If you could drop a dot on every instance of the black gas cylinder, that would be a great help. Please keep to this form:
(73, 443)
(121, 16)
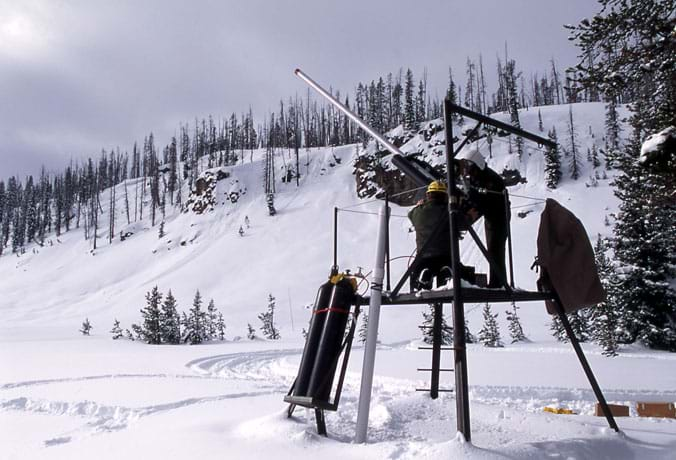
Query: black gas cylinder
(336, 315)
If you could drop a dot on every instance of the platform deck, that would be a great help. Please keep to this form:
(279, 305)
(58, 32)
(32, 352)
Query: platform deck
(469, 294)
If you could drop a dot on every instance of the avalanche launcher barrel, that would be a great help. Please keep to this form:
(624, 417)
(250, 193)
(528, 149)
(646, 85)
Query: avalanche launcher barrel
(324, 343)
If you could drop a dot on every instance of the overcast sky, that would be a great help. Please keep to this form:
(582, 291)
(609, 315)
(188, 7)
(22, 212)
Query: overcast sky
(79, 76)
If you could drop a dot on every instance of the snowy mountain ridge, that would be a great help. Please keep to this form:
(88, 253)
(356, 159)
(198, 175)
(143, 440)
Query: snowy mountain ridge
(205, 252)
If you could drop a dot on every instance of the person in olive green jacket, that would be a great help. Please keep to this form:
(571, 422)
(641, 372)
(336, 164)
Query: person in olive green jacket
(435, 256)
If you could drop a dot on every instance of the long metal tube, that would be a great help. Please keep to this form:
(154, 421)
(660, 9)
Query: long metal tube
(372, 330)
(388, 145)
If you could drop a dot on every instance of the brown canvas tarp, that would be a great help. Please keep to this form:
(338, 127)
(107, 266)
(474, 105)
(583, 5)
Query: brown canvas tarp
(566, 258)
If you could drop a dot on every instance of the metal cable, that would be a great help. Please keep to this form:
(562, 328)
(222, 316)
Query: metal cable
(368, 212)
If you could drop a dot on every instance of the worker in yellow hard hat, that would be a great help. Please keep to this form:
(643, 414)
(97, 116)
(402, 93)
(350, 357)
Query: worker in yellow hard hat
(434, 256)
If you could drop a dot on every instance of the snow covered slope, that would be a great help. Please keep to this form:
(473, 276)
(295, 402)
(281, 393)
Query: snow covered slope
(63, 395)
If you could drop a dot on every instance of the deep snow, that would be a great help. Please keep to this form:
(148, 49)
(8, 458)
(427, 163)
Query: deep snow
(63, 395)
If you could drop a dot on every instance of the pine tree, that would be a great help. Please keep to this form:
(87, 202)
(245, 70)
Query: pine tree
(169, 320)
(469, 337)
(489, 335)
(579, 323)
(270, 200)
(268, 321)
(137, 332)
(645, 246)
(86, 327)
(116, 330)
(515, 329)
(451, 93)
(513, 101)
(604, 325)
(194, 325)
(595, 157)
(251, 332)
(552, 162)
(557, 329)
(151, 317)
(409, 103)
(573, 146)
(639, 65)
(212, 320)
(540, 125)
(220, 326)
(427, 328)
(613, 131)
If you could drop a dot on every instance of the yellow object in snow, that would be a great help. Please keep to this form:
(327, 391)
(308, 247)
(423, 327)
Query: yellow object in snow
(559, 410)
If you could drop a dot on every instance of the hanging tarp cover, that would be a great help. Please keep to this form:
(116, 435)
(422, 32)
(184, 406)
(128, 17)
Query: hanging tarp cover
(566, 259)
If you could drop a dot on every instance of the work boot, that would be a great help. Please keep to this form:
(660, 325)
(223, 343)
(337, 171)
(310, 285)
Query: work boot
(445, 275)
(425, 279)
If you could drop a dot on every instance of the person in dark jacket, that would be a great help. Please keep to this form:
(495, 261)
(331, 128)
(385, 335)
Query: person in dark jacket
(430, 220)
(486, 192)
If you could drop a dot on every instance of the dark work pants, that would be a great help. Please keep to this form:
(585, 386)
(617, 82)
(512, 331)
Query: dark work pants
(434, 265)
(496, 239)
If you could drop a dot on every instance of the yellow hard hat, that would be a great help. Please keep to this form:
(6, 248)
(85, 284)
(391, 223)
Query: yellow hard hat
(436, 186)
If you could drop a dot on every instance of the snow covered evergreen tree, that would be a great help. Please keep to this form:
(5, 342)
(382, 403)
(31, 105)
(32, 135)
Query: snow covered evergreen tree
(137, 332)
(557, 330)
(86, 327)
(250, 332)
(604, 324)
(489, 335)
(515, 329)
(211, 320)
(268, 321)
(116, 330)
(409, 103)
(613, 130)
(573, 146)
(451, 93)
(552, 162)
(169, 320)
(270, 201)
(579, 323)
(220, 326)
(469, 337)
(195, 331)
(151, 317)
(513, 101)
(595, 157)
(643, 72)
(427, 328)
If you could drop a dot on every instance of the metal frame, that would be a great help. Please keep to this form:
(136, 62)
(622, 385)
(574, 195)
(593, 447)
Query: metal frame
(459, 295)
(319, 405)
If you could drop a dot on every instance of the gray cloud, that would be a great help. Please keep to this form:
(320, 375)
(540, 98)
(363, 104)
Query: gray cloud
(78, 76)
